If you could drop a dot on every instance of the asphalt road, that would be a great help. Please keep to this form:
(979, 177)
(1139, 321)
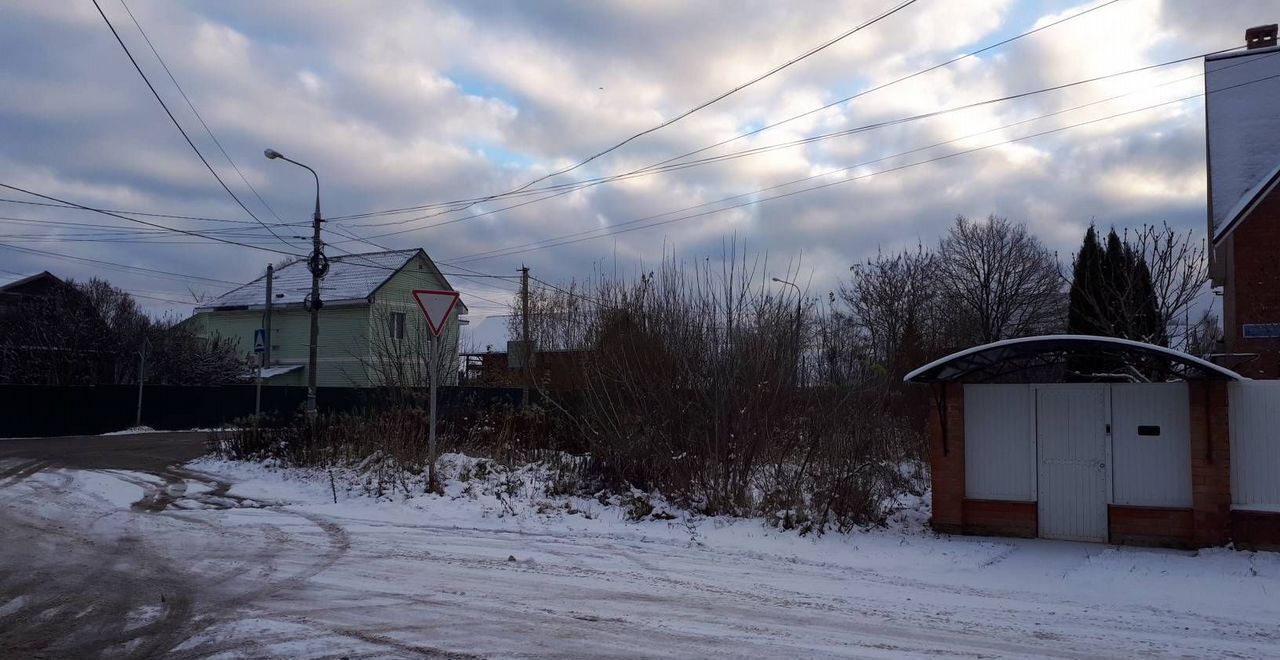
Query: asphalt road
(144, 452)
(68, 580)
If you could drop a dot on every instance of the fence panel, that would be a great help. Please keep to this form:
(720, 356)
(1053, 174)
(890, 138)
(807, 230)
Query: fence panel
(1255, 443)
(42, 411)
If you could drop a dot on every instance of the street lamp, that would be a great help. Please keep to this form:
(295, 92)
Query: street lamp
(319, 266)
(799, 300)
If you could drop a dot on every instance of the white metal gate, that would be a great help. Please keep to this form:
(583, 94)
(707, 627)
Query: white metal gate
(1072, 433)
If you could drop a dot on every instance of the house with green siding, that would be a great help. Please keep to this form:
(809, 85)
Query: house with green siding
(372, 332)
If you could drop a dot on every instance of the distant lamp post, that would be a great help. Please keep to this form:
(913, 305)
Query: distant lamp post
(799, 300)
(318, 264)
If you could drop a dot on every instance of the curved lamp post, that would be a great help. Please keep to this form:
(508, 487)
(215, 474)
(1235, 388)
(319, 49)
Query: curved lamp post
(318, 266)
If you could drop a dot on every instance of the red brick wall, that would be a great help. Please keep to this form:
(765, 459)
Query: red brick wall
(1255, 530)
(946, 457)
(1137, 525)
(1001, 518)
(1210, 463)
(1254, 283)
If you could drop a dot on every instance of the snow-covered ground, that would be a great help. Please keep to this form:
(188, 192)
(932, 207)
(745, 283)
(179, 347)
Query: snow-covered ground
(258, 561)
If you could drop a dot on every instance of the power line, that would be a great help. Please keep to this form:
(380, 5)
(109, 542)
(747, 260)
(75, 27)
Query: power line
(191, 105)
(670, 167)
(147, 223)
(761, 129)
(574, 237)
(179, 126)
(700, 106)
(118, 266)
(143, 213)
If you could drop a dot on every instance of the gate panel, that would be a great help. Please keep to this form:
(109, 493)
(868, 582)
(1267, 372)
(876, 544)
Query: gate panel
(1071, 429)
(1151, 444)
(999, 443)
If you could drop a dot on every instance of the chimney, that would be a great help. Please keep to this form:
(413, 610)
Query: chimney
(1260, 36)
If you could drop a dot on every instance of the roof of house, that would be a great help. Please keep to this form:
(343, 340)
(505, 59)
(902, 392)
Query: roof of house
(1242, 127)
(16, 280)
(1247, 204)
(351, 278)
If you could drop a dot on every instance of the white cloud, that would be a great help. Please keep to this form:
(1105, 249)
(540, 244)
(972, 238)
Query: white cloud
(404, 103)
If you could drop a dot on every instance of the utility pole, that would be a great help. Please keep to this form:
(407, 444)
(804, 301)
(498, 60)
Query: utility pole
(318, 264)
(142, 371)
(271, 273)
(525, 347)
(263, 358)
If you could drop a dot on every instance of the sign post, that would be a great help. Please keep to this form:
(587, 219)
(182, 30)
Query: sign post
(436, 306)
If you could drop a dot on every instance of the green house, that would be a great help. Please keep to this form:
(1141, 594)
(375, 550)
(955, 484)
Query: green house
(372, 332)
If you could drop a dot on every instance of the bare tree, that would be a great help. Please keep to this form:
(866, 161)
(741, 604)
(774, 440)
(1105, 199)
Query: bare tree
(998, 280)
(1179, 272)
(891, 304)
(91, 332)
(1203, 337)
(400, 350)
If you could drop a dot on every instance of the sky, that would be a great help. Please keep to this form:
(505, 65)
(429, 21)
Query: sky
(403, 104)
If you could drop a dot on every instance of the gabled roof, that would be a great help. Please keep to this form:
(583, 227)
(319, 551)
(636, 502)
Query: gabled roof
(8, 282)
(352, 278)
(1250, 201)
(982, 363)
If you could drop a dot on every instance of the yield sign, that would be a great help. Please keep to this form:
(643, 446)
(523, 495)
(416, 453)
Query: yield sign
(436, 306)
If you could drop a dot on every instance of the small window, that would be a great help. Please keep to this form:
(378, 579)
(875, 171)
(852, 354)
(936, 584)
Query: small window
(1148, 429)
(396, 325)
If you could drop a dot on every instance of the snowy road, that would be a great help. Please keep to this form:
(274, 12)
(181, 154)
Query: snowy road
(184, 563)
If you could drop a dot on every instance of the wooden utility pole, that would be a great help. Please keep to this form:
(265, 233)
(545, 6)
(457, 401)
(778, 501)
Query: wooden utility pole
(142, 372)
(526, 347)
(271, 271)
(524, 307)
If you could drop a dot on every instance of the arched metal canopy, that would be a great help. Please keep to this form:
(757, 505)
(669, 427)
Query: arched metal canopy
(1002, 359)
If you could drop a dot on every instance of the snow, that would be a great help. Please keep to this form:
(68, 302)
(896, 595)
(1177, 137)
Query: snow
(272, 372)
(496, 567)
(350, 277)
(1243, 129)
(133, 430)
(1263, 508)
(1247, 202)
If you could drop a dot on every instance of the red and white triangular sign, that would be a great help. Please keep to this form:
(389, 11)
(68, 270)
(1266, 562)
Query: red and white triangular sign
(436, 306)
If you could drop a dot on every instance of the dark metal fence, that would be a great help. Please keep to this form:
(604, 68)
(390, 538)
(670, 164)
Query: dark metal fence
(40, 411)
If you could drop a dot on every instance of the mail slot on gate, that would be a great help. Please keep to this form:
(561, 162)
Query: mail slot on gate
(1148, 429)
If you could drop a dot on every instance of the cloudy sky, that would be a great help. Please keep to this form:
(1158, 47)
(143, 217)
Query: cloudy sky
(404, 104)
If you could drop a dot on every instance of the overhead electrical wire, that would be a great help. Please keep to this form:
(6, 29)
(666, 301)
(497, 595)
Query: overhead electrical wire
(806, 140)
(701, 106)
(179, 126)
(569, 188)
(152, 272)
(613, 230)
(147, 222)
(172, 216)
(195, 112)
(755, 131)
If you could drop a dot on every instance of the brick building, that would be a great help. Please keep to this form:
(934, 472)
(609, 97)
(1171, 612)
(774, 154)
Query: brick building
(1242, 130)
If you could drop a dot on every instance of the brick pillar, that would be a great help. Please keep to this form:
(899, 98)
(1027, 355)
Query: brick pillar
(1210, 463)
(946, 456)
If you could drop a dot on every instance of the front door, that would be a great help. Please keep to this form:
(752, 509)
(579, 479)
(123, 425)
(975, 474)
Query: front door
(1071, 432)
